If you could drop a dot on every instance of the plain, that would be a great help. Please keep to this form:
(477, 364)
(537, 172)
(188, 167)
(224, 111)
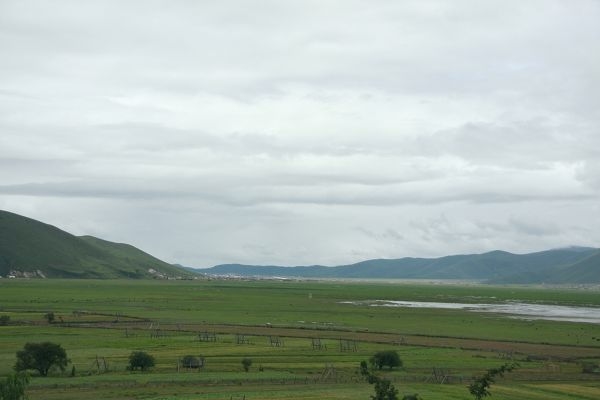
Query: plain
(305, 341)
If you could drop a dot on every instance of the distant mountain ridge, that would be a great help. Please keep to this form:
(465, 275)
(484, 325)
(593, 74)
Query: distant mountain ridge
(31, 248)
(568, 265)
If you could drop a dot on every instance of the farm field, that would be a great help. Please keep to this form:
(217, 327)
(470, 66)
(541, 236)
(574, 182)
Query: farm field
(304, 339)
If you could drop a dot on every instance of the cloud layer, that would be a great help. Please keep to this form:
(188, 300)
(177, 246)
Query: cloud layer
(304, 132)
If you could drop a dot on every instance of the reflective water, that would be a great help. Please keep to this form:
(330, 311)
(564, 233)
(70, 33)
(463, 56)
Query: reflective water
(513, 309)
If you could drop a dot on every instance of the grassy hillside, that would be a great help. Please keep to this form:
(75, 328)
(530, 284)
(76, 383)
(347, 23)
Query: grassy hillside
(584, 271)
(30, 246)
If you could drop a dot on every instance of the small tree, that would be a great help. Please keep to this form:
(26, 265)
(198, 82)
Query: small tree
(389, 358)
(13, 387)
(49, 316)
(246, 363)
(141, 360)
(190, 361)
(384, 390)
(4, 320)
(480, 387)
(41, 357)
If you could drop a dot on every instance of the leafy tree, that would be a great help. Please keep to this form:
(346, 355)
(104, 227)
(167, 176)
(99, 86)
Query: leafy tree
(384, 390)
(141, 360)
(13, 387)
(41, 357)
(4, 320)
(246, 363)
(480, 387)
(389, 358)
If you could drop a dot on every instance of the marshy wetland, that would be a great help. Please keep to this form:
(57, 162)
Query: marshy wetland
(99, 323)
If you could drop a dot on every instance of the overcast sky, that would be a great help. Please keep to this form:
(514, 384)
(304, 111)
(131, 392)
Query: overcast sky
(304, 132)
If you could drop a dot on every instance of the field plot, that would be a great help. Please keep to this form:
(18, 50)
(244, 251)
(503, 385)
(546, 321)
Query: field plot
(305, 340)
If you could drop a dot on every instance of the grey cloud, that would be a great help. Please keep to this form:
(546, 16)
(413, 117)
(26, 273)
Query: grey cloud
(535, 228)
(278, 128)
(589, 173)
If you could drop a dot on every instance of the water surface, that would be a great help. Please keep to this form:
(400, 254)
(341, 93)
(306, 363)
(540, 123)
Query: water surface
(513, 309)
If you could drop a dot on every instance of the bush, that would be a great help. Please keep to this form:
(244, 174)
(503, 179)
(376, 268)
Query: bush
(590, 368)
(389, 358)
(246, 363)
(13, 387)
(141, 360)
(190, 361)
(4, 320)
(49, 317)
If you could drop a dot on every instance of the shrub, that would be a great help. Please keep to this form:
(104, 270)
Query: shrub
(141, 360)
(190, 361)
(590, 368)
(246, 363)
(49, 317)
(13, 387)
(389, 358)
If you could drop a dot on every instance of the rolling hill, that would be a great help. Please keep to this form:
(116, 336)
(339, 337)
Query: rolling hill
(568, 265)
(32, 248)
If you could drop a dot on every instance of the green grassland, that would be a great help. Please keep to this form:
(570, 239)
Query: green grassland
(107, 320)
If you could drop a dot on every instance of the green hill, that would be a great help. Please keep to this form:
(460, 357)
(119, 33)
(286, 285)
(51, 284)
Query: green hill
(32, 248)
(584, 271)
(568, 265)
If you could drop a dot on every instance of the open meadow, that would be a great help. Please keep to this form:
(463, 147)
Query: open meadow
(305, 339)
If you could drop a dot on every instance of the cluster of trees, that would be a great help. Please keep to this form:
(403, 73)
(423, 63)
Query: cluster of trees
(385, 390)
(46, 355)
(41, 357)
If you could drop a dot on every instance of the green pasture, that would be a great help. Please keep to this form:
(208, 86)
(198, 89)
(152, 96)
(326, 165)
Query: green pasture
(102, 322)
(309, 305)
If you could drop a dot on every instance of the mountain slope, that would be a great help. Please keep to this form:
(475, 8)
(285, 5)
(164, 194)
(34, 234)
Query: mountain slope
(584, 271)
(27, 245)
(561, 265)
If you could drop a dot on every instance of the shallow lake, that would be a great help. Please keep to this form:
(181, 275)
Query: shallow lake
(513, 309)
